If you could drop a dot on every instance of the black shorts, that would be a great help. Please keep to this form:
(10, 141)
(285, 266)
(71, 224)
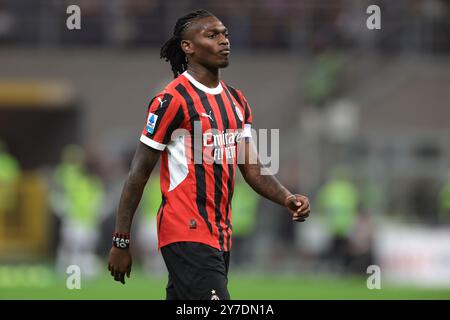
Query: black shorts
(196, 271)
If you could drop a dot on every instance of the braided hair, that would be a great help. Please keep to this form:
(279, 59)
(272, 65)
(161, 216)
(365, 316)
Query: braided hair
(171, 50)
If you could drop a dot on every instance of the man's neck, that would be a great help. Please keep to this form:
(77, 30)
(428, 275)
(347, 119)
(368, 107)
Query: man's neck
(207, 77)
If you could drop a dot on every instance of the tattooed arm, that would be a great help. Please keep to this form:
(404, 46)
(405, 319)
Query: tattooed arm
(142, 166)
(267, 185)
(144, 161)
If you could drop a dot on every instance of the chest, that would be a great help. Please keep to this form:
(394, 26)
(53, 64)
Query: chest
(215, 112)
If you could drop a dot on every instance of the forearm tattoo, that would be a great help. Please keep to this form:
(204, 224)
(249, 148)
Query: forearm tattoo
(266, 184)
(141, 168)
(129, 201)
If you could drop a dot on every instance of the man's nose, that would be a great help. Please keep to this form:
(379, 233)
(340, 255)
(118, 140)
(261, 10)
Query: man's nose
(223, 40)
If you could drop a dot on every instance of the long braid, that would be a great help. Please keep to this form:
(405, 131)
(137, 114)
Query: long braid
(171, 50)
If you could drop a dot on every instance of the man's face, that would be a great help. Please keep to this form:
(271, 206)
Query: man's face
(207, 43)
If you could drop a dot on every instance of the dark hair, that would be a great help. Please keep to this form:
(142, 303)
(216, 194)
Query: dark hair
(171, 50)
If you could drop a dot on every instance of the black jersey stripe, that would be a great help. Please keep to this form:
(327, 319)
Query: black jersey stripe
(167, 97)
(232, 174)
(217, 200)
(238, 121)
(235, 95)
(160, 111)
(161, 212)
(199, 168)
(230, 196)
(223, 111)
(175, 124)
(226, 125)
(217, 167)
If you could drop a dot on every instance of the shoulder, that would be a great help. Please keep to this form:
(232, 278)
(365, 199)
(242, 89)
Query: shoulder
(172, 86)
(170, 92)
(231, 88)
(237, 94)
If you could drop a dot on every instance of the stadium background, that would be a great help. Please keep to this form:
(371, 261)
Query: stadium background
(364, 122)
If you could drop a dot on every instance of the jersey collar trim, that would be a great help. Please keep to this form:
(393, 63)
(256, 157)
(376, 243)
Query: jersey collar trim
(201, 86)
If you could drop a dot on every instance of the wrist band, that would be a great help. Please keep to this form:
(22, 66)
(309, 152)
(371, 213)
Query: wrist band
(121, 240)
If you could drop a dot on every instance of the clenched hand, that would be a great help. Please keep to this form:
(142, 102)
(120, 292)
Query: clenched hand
(298, 206)
(119, 263)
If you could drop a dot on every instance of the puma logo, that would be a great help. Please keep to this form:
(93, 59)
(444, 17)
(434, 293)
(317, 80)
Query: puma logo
(208, 115)
(161, 102)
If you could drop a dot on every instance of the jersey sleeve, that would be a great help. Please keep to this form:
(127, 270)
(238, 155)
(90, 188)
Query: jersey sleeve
(248, 117)
(165, 114)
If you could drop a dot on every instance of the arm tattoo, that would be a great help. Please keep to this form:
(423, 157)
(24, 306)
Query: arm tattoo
(267, 185)
(141, 168)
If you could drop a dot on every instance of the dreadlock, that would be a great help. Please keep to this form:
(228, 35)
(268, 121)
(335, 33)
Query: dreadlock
(171, 50)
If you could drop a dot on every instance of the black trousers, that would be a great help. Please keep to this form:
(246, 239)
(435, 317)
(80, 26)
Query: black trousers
(196, 271)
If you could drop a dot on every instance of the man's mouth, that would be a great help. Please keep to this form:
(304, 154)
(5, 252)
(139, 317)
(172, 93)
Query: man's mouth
(225, 52)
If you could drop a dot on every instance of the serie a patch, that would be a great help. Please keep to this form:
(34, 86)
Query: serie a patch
(151, 122)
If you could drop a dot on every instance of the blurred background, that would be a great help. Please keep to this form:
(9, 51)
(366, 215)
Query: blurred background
(364, 121)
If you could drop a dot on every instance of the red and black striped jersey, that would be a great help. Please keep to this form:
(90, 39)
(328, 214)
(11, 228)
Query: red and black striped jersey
(198, 130)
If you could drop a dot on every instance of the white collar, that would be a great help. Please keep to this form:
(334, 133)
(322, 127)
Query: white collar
(201, 86)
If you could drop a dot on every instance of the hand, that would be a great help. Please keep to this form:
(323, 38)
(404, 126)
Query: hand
(119, 263)
(298, 206)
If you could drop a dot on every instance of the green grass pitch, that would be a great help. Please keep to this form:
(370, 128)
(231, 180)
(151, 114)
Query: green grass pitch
(241, 286)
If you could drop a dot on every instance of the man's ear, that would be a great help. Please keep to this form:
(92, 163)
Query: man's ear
(187, 46)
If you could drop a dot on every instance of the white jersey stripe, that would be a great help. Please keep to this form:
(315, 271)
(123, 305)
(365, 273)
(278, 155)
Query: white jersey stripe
(178, 167)
(152, 143)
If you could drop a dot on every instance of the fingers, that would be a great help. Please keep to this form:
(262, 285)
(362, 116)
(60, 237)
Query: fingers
(300, 204)
(303, 211)
(117, 275)
(298, 219)
(293, 198)
(304, 203)
(302, 215)
(302, 208)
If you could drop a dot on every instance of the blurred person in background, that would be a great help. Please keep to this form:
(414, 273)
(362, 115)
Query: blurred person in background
(322, 82)
(143, 17)
(338, 201)
(274, 244)
(361, 240)
(371, 199)
(245, 206)
(9, 183)
(116, 158)
(147, 235)
(444, 201)
(77, 198)
(7, 23)
(194, 218)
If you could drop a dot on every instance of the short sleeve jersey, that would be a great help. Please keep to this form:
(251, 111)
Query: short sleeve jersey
(198, 130)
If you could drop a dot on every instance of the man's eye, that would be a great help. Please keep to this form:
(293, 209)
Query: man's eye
(212, 36)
